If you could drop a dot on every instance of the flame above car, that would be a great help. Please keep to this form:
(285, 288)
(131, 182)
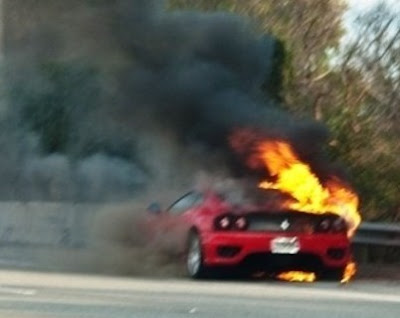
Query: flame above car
(290, 175)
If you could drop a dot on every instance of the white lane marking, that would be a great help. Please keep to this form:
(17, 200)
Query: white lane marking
(18, 291)
(193, 310)
(171, 286)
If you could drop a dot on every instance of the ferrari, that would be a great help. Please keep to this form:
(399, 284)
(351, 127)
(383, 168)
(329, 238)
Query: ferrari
(214, 232)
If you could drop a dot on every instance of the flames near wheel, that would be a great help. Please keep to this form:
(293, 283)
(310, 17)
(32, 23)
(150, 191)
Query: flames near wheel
(297, 276)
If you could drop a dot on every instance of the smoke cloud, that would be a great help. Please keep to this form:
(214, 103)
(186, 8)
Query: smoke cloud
(107, 100)
(199, 76)
(150, 102)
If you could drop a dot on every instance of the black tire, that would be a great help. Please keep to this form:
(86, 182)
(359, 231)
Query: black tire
(194, 261)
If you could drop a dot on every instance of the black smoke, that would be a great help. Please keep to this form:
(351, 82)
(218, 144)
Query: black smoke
(108, 99)
(114, 97)
(203, 75)
(56, 142)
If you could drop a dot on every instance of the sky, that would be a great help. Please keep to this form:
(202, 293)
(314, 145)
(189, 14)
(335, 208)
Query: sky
(366, 4)
(358, 6)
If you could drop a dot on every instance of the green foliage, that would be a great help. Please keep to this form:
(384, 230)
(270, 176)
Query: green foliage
(208, 5)
(365, 120)
(50, 98)
(373, 171)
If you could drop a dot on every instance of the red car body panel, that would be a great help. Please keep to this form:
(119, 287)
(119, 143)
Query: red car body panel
(259, 243)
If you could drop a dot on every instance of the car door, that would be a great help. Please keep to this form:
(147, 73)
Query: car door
(179, 218)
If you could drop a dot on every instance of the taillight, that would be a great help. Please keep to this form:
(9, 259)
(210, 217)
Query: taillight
(224, 222)
(339, 226)
(324, 225)
(331, 225)
(230, 222)
(241, 223)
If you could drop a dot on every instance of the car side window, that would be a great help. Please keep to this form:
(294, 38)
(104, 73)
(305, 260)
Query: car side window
(185, 203)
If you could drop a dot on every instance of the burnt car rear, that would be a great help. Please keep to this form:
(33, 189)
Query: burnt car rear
(277, 241)
(216, 233)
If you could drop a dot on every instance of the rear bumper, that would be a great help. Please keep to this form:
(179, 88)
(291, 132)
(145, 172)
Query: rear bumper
(254, 248)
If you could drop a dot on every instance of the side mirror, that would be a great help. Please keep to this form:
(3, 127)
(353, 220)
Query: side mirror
(154, 208)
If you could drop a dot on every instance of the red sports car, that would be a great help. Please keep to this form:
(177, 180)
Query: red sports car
(215, 233)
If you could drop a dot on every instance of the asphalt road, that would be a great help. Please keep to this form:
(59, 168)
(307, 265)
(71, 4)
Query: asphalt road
(28, 294)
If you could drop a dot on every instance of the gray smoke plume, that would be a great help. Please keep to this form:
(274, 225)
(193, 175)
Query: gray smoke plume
(200, 76)
(150, 102)
(56, 140)
(123, 99)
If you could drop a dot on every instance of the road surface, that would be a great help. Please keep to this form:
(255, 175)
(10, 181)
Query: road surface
(34, 295)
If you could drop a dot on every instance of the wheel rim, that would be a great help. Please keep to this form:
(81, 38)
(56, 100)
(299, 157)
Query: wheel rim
(194, 257)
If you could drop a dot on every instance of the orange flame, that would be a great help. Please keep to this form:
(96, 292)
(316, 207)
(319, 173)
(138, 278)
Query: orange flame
(349, 272)
(297, 276)
(296, 178)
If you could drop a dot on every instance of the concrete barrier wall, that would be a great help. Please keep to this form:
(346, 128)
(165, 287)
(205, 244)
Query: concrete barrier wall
(46, 223)
(29, 229)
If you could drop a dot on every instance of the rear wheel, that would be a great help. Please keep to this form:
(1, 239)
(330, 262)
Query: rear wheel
(194, 257)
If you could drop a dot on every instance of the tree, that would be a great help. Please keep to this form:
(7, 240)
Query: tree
(366, 116)
(309, 31)
(52, 98)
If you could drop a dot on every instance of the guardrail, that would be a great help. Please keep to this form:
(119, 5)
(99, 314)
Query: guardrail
(379, 234)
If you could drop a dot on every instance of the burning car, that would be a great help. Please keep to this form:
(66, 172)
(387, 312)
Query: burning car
(295, 223)
(213, 232)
